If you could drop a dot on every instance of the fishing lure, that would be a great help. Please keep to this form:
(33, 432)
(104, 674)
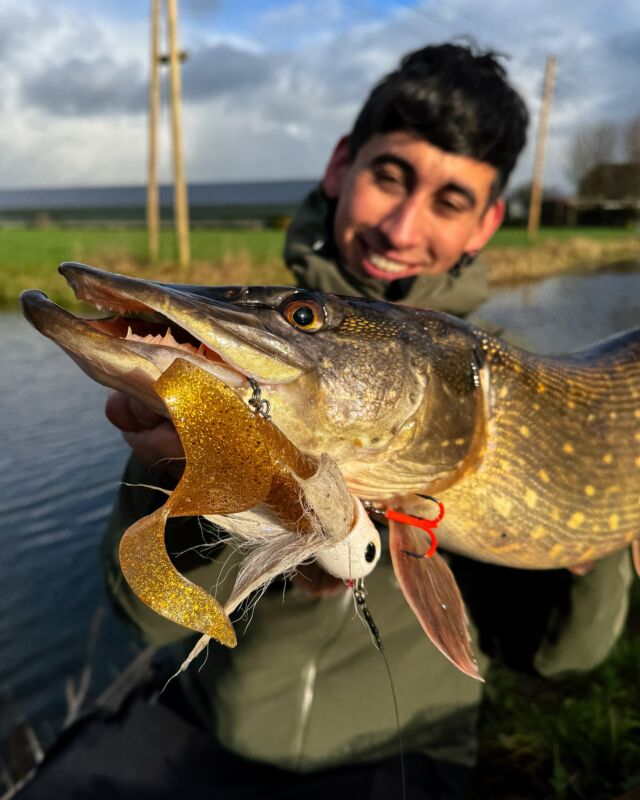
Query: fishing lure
(282, 508)
(243, 474)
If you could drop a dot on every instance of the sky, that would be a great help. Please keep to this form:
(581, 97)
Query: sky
(269, 87)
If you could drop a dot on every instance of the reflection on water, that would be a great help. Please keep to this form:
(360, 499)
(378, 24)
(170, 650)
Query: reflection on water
(561, 314)
(60, 462)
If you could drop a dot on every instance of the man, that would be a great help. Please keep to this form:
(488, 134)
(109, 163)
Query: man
(303, 705)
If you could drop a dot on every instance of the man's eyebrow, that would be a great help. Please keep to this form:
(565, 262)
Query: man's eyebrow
(459, 188)
(409, 173)
(390, 158)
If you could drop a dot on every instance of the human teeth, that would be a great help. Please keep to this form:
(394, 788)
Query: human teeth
(386, 263)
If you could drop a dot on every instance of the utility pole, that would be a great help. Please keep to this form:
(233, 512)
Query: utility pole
(181, 205)
(536, 185)
(153, 214)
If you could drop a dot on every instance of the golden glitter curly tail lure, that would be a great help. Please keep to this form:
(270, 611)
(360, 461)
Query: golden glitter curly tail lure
(238, 460)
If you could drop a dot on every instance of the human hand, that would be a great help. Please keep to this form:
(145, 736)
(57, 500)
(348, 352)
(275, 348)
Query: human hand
(313, 580)
(152, 437)
(582, 569)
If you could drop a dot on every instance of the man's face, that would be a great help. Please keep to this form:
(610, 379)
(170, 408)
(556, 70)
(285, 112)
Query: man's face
(405, 207)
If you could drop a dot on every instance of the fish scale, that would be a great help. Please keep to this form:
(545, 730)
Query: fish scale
(570, 450)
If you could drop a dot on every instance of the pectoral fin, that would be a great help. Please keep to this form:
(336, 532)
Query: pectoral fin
(433, 595)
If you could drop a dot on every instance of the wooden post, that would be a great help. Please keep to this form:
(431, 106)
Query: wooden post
(535, 203)
(152, 164)
(179, 187)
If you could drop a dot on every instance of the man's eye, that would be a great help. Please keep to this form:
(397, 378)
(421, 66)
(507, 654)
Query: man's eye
(451, 206)
(387, 178)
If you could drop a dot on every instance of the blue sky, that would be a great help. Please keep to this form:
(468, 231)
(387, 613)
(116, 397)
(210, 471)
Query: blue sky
(270, 86)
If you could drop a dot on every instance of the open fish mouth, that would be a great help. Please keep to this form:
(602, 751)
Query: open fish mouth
(148, 325)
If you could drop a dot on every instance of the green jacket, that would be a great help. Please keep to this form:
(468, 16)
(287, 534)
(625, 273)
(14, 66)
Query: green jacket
(305, 688)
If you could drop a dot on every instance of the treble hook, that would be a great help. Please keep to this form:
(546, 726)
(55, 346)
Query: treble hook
(427, 525)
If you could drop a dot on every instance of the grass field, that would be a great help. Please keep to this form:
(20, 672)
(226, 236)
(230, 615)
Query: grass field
(29, 257)
(572, 739)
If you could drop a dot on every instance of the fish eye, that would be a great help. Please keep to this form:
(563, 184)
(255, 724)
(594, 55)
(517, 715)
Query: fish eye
(305, 314)
(370, 552)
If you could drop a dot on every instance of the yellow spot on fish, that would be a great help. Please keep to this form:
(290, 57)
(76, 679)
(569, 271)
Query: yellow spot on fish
(570, 404)
(544, 476)
(540, 388)
(607, 458)
(459, 441)
(613, 415)
(614, 519)
(357, 442)
(588, 554)
(637, 461)
(536, 407)
(502, 505)
(637, 437)
(504, 391)
(530, 498)
(538, 532)
(556, 550)
(444, 443)
(555, 515)
(505, 465)
(576, 520)
(524, 430)
(567, 448)
(636, 413)
(589, 490)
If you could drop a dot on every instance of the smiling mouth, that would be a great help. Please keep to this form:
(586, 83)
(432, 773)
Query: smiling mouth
(387, 265)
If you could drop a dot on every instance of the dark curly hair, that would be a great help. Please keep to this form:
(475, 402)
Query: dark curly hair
(456, 98)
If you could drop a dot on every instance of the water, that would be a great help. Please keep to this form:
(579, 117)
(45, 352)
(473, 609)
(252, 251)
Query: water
(60, 462)
(59, 467)
(568, 312)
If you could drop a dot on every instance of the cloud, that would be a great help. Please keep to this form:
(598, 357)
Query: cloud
(224, 69)
(266, 94)
(87, 86)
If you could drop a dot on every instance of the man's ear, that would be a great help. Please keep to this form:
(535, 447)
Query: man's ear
(336, 168)
(491, 220)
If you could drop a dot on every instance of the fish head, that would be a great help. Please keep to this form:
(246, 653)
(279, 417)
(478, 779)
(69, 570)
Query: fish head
(361, 380)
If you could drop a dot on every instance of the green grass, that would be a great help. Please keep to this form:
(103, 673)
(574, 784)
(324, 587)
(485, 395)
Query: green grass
(565, 740)
(29, 256)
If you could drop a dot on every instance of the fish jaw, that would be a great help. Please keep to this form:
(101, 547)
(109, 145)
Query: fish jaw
(131, 349)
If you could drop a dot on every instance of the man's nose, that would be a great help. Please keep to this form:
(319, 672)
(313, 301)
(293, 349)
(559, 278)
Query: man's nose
(404, 224)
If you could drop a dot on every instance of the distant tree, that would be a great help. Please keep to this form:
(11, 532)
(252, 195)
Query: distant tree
(632, 140)
(591, 146)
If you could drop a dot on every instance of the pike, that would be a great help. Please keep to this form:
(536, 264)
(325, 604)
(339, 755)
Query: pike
(536, 458)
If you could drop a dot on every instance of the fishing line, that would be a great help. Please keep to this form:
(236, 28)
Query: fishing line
(360, 596)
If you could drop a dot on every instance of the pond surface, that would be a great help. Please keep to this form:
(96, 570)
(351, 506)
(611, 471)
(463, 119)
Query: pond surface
(60, 462)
